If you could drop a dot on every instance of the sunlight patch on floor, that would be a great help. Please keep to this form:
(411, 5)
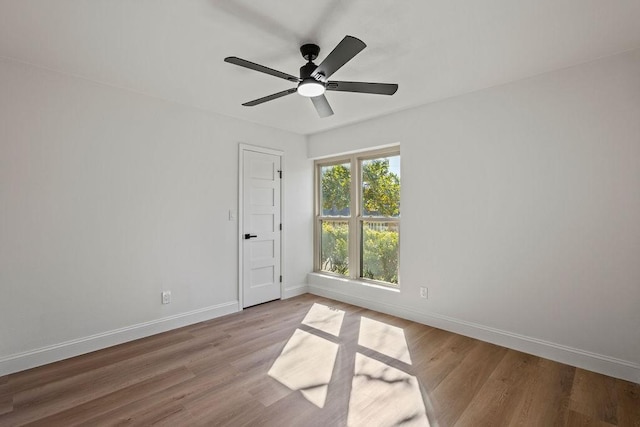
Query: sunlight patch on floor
(385, 339)
(324, 318)
(306, 364)
(382, 395)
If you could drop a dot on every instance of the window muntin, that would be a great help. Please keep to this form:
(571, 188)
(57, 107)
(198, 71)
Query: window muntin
(361, 240)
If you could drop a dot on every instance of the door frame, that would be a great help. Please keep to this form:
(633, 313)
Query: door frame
(240, 217)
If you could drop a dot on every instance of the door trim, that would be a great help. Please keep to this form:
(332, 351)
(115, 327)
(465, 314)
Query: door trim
(240, 217)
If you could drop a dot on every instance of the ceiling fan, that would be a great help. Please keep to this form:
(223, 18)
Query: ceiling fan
(314, 79)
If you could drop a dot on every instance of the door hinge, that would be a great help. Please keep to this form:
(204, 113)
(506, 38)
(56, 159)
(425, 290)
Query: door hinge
(280, 173)
(280, 279)
(280, 227)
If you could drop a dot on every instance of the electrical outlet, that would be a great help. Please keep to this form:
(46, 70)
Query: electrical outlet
(424, 292)
(166, 297)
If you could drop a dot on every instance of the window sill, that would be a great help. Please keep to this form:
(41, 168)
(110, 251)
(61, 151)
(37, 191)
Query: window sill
(330, 278)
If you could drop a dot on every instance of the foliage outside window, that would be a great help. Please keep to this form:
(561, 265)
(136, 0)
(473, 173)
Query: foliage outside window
(358, 216)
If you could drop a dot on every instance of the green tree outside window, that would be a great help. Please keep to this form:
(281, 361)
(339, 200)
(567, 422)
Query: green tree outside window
(380, 240)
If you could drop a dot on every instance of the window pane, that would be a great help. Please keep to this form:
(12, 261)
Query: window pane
(380, 251)
(335, 247)
(335, 196)
(381, 187)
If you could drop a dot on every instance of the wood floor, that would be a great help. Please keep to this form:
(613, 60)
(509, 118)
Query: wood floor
(232, 371)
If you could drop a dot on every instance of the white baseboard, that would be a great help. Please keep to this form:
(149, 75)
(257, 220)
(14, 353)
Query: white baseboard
(560, 353)
(53, 353)
(294, 291)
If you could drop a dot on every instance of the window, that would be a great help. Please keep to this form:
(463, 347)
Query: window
(358, 216)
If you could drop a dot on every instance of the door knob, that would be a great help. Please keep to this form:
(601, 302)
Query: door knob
(249, 236)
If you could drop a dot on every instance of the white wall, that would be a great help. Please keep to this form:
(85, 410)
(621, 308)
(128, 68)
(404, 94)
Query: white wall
(108, 197)
(521, 213)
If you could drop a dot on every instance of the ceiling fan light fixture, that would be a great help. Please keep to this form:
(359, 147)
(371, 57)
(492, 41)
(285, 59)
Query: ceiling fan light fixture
(310, 88)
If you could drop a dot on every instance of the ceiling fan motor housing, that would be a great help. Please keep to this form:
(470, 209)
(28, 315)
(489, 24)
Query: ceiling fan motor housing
(309, 51)
(306, 70)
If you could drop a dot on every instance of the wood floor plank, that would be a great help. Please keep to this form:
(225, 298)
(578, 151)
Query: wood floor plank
(64, 369)
(223, 408)
(216, 373)
(595, 395)
(578, 419)
(51, 398)
(175, 395)
(294, 410)
(113, 401)
(454, 394)
(439, 355)
(628, 403)
(160, 414)
(546, 395)
(267, 391)
(499, 396)
(6, 396)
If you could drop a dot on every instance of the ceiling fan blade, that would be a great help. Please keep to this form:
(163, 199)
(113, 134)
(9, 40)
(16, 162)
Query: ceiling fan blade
(340, 55)
(270, 97)
(261, 68)
(322, 106)
(363, 87)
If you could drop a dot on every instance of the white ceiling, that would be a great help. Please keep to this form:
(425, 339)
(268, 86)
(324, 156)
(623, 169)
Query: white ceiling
(174, 49)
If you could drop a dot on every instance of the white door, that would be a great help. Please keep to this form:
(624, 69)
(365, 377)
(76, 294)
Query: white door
(260, 227)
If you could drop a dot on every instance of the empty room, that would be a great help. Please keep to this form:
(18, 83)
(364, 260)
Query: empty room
(332, 213)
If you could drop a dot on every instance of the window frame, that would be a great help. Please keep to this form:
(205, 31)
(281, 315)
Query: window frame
(356, 219)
